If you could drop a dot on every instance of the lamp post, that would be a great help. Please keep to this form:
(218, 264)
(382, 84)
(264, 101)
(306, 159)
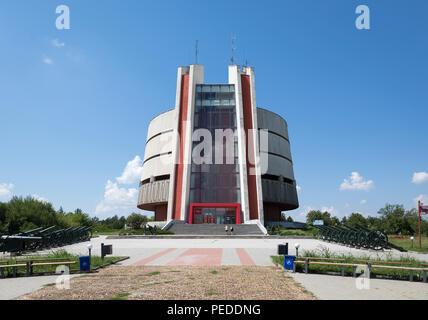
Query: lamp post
(297, 246)
(90, 248)
(412, 238)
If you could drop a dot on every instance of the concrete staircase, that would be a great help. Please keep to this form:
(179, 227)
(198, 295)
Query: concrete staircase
(214, 229)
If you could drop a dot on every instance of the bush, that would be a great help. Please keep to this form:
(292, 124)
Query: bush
(136, 221)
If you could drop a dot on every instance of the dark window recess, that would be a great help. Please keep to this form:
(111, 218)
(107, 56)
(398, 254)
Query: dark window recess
(215, 183)
(277, 178)
(157, 156)
(159, 178)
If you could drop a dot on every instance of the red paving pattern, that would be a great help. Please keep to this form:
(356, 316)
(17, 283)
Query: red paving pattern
(198, 257)
(244, 257)
(153, 257)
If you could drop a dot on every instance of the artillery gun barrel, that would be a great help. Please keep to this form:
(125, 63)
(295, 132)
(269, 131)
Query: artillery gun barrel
(20, 238)
(363, 228)
(47, 230)
(351, 228)
(29, 232)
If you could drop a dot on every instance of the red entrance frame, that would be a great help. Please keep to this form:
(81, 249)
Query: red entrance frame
(237, 207)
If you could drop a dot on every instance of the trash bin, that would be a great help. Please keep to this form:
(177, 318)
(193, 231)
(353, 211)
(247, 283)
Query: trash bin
(283, 249)
(289, 262)
(85, 263)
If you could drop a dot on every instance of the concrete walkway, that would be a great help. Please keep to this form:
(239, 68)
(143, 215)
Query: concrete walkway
(138, 249)
(258, 250)
(15, 287)
(235, 252)
(330, 287)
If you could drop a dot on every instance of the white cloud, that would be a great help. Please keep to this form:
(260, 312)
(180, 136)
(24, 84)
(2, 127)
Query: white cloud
(47, 60)
(356, 182)
(422, 198)
(363, 201)
(330, 210)
(298, 188)
(305, 211)
(132, 172)
(420, 177)
(6, 191)
(56, 43)
(41, 199)
(120, 201)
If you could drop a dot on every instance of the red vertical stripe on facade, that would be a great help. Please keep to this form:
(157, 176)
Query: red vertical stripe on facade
(248, 124)
(184, 99)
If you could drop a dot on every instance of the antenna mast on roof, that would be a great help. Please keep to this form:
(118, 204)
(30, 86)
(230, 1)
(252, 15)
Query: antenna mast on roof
(233, 49)
(196, 51)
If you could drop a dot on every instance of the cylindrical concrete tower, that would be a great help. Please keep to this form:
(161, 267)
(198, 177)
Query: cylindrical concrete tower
(216, 158)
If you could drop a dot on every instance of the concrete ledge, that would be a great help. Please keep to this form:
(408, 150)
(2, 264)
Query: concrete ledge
(206, 237)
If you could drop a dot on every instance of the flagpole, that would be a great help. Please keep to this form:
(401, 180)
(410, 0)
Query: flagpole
(419, 214)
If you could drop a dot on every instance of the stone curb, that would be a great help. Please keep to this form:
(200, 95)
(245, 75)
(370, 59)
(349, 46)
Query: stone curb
(205, 237)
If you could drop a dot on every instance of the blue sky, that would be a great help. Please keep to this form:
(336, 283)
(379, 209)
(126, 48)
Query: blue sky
(75, 104)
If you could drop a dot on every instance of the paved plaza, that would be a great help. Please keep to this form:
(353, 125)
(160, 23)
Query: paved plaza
(235, 252)
(211, 251)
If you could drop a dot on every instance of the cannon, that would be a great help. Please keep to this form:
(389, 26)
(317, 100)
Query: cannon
(17, 244)
(358, 237)
(43, 238)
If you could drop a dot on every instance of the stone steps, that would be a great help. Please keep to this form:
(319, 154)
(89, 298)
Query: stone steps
(214, 229)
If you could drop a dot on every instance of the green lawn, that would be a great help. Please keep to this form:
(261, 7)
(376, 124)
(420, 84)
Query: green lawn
(106, 233)
(131, 232)
(325, 253)
(312, 232)
(407, 243)
(96, 261)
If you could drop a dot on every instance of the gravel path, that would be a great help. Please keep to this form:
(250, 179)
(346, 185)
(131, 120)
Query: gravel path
(179, 283)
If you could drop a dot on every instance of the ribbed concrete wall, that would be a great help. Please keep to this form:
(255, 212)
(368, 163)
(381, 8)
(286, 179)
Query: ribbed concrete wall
(161, 123)
(152, 194)
(279, 146)
(159, 145)
(279, 154)
(279, 194)
(158, 154)
(270, 120)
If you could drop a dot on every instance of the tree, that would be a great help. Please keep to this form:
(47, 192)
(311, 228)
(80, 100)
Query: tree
(357, 218)
(335, 221)
(284, 218)
(393, 220)
(136, 221)
(113, 223)
(3, 211)
(28, 213)
(318, 215)
(78, 219)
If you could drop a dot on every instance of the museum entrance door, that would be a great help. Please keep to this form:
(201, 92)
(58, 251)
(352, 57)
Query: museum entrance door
(219, 213)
